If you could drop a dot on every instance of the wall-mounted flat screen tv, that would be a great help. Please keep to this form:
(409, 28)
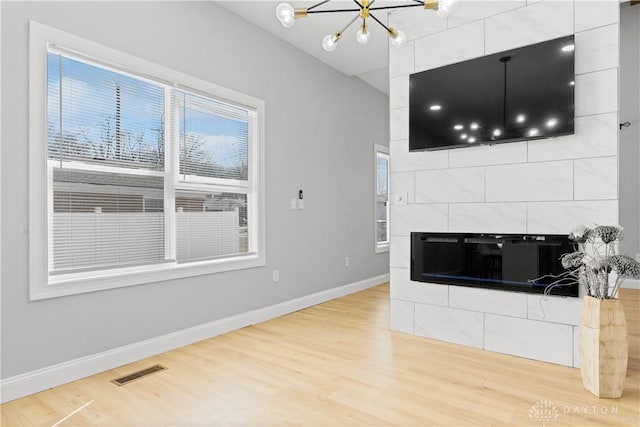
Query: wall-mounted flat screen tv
(520, 94)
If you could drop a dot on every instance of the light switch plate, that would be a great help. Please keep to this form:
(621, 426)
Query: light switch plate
(399, 198)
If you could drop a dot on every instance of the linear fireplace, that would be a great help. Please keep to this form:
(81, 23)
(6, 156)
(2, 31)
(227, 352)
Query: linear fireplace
(508, 262)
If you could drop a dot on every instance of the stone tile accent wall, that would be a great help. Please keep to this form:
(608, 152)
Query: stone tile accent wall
(544, 186)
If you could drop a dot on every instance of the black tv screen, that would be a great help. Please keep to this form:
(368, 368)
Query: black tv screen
(520, 94)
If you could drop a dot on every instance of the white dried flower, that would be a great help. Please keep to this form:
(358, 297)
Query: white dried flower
(626, 266)
(608, 233)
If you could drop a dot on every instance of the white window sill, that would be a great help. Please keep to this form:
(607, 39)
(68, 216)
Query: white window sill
(118, 278)
(382, 248)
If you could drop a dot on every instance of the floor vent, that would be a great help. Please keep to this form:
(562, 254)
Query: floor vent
(137, 375)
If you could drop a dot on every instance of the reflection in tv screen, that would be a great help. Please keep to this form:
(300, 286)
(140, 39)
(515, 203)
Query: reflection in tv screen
(521, 94)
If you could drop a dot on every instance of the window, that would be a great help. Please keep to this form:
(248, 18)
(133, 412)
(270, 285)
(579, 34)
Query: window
(138, 173)
(381, 192)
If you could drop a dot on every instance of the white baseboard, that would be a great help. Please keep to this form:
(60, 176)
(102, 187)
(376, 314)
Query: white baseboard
(62, 373)
(631, 284)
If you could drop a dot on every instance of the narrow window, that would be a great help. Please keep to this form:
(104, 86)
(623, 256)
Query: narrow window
(381, 198)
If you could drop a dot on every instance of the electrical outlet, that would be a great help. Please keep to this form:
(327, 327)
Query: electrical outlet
(276, 276)
(346, 261)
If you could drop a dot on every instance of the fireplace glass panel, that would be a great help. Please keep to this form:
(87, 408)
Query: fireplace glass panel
(507, 262)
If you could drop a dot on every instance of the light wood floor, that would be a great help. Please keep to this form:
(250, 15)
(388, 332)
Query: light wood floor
(335, 364)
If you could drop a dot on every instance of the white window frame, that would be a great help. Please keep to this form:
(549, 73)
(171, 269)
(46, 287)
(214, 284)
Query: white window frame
(41, 284)
(382, 246)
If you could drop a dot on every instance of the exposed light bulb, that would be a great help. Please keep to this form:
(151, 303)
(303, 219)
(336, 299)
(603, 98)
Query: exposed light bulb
(288, 22)
(397, 38)
(363, 34)
(329, 42)
(474, 126)
(520, 118)
(458, 127)
(285, 14)
(447, 7)
(435, 107)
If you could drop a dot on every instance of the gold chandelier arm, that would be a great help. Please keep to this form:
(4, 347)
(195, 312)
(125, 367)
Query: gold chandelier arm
(332, 11)
(349, 24)
(431, 4)
(379, 22)
(400, 6)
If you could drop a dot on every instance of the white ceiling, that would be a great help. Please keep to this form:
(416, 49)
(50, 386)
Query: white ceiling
(369, 62)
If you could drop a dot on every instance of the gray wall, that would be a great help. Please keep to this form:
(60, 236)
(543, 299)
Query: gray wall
(630, 137)
(316, 141)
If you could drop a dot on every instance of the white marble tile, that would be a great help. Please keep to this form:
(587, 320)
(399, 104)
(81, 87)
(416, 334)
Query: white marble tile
(400, 252)
(596, 179)
(488, 217)
(403, 160)
(595, 136)
(596, 92)
(401, 316)
(469, 11)
(554, 309)
(528, 25)
(401, 60)
(402, 182)
(449, 324)
(548, 342)
(530, 182)
(450, 46)
(562, 217)
(488, 301)
(403, 288)
(418, 217)
(498, 154)
(592, 14)
(596, 49)
(450, 185)
(399, 124)
(399, 92)
(416, 22)
(576, 346)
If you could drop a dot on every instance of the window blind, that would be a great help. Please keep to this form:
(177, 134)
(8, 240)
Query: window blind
(105, 143)
(212, 204)
(141, 172)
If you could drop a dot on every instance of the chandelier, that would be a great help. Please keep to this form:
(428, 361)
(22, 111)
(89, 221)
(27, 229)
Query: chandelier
(287, 16)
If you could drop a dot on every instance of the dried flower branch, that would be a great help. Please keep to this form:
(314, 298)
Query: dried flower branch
(572, 260)
(595, 264)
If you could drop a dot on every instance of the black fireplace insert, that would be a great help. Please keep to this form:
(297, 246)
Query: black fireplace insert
(510, 262)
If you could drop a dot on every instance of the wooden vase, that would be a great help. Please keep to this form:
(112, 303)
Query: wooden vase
(604, 347)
